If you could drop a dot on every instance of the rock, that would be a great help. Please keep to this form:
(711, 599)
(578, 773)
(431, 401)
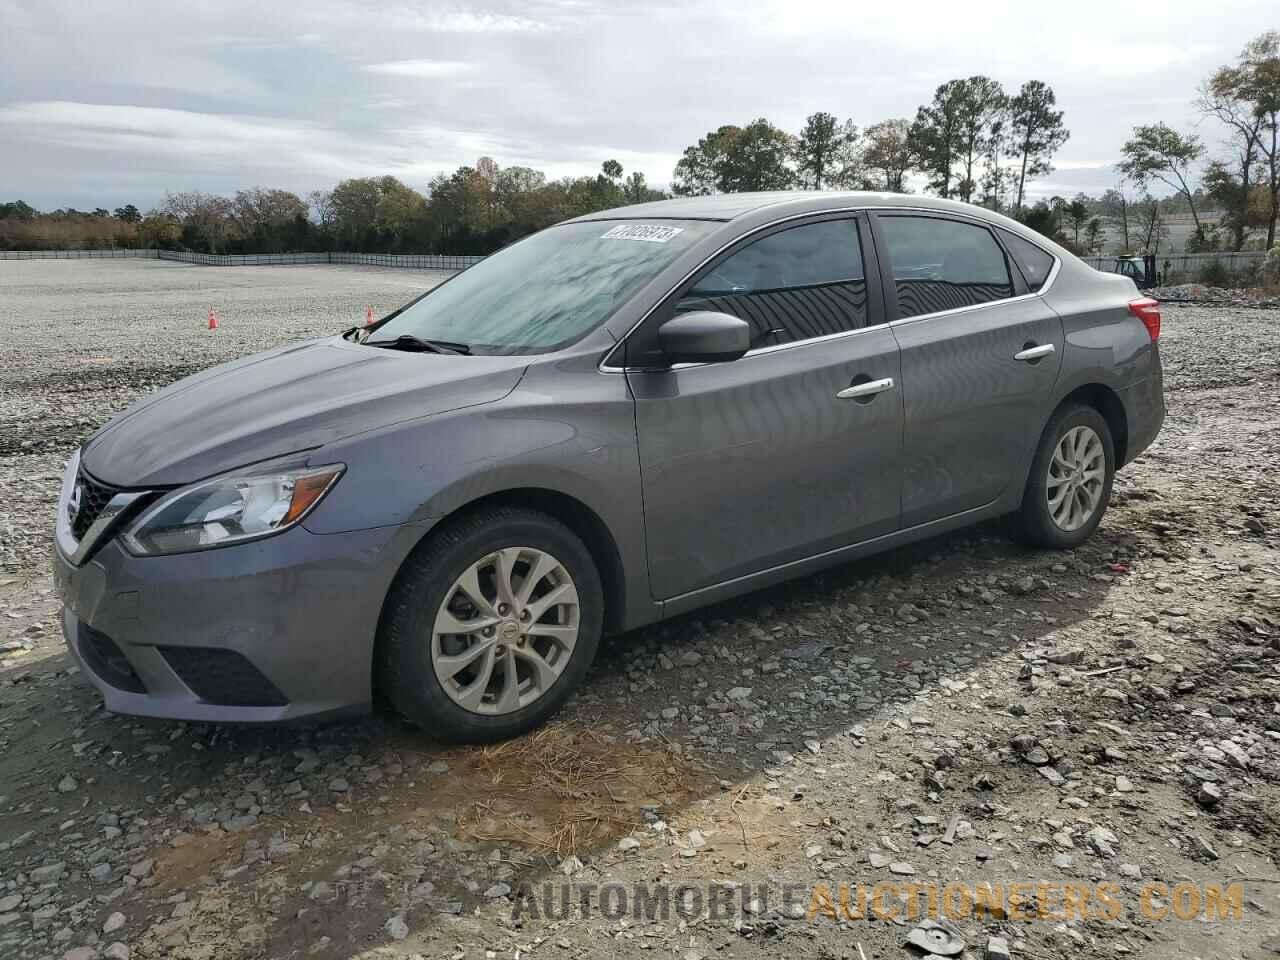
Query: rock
(10, 903)
(117, 951)
(1208, 796)
(1235, 753)
(879, 860)
(142, 869)
(902, 868)
(339, 785)
(100, 872)
(628, 843)
(571, 866)
(738, 693)
(1102, 841)
(80, 953)
(1052, 775)
(320, 890)
(497, 891)
(1036, 756)
(49, 873)
(68, 784)
(1124, 785)
(1066, 657)
(937, 937)
(436, 767)
(113, 923)
(1204, 848)
(997, 948)
(396, 928)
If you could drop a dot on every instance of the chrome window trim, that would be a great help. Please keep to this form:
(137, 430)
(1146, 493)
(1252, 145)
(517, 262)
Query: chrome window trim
(604, 367)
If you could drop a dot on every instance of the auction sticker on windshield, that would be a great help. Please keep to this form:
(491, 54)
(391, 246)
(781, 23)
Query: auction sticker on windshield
(651, 233)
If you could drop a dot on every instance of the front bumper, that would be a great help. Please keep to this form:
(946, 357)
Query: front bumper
(267, 631)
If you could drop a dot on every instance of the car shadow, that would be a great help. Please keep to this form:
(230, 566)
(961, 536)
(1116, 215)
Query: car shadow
(359, 809)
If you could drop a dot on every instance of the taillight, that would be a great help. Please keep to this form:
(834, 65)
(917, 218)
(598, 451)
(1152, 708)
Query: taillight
(1148, 311)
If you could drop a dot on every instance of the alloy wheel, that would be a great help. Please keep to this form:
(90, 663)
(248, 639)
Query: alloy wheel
(1077, 478)
(505, 631)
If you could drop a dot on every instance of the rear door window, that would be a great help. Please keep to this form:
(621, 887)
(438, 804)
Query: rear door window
(943, 264)
(1034, 263)
(799, 283)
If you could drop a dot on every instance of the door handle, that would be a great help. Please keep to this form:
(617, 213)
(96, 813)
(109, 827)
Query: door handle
(868, 389)
(1031, 354)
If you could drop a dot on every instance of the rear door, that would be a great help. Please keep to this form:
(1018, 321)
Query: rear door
(980, 355)
(790, 450)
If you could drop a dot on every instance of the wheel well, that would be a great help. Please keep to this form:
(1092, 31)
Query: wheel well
(1104, 400)
(584, 522)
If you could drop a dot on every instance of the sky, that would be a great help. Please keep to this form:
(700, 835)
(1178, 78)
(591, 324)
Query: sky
(107, 103)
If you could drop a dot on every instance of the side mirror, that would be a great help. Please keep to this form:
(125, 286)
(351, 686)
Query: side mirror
(704, 337)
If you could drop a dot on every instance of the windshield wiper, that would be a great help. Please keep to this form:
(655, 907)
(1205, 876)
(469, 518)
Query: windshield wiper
(407, 341)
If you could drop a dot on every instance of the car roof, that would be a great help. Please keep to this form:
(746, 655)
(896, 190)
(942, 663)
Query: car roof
(730, 206)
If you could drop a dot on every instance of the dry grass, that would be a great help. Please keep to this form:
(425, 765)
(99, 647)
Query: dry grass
(562, 789)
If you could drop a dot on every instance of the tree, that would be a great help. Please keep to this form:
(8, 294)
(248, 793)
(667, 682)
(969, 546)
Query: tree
(887, 151)
(1036, 132)
(17, 210)
(982, 103)
(128, 214)
(935, 134)
(1077, 212)
(735, 160)
(635, 190)
(1225, 97)
(208, 221)
(1116, 204)
(1158, 152)
(1093, 236)
(698, 170)
(757, 159)
(825, 151)
(995, 178)
(1259, 87)
(612, 169)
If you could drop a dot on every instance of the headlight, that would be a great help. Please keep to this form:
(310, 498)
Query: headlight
(229, 510)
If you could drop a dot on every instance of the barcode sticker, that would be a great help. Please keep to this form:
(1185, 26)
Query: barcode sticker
(650, 233)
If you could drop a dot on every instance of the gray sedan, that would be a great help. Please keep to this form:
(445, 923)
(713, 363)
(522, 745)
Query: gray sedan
(620, 418)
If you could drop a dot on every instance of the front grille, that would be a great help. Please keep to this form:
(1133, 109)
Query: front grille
(223, 677)
(93, 497)
(103, 657)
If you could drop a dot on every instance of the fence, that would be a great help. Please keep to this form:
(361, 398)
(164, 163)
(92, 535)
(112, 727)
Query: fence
(1192, 263)
(411, 261)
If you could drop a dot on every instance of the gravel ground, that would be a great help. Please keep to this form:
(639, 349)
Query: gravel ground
(962, 712)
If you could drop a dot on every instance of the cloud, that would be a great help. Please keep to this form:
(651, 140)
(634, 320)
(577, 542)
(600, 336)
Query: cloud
(427, 69)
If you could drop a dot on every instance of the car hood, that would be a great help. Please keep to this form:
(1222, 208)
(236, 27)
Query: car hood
(284, 401)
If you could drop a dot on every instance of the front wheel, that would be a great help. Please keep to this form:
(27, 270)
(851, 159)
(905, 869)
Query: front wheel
(491, 625)
(1070, 483)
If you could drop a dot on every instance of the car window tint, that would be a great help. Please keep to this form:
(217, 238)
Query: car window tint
(796, 284)
(943, 264)
(1034, 263)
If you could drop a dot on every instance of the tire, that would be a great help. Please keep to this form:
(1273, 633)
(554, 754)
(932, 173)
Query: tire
(1035, 523)
(417, 657)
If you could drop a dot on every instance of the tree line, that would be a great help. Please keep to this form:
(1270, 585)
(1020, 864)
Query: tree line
(973, 141)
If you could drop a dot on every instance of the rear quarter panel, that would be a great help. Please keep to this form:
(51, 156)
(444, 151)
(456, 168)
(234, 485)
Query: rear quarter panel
(1104, 342)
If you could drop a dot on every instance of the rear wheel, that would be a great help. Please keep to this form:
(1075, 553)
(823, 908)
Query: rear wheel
(491, 626)
(1070, 483)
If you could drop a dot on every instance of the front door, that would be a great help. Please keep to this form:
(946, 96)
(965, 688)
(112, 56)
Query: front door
(794, 448)
(980, 356)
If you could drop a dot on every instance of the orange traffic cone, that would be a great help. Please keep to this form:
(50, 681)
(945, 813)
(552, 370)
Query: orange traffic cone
(213, 319)
(368, 316)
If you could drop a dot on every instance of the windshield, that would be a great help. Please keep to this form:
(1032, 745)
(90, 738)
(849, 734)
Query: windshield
(548, 290)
